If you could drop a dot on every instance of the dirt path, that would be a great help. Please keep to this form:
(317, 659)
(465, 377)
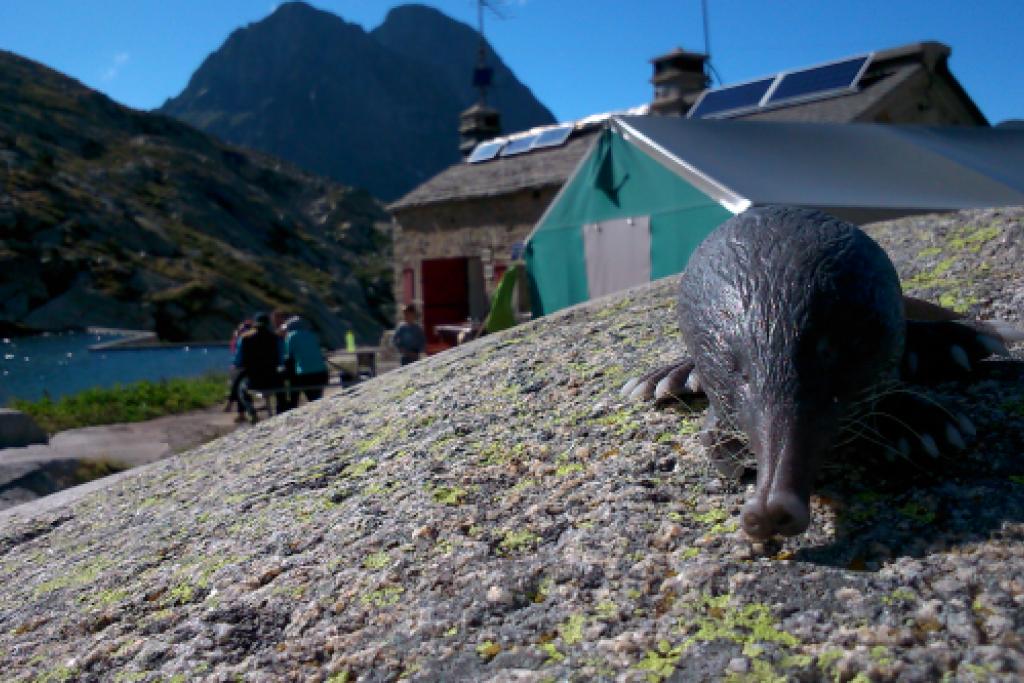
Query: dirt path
(37, 473)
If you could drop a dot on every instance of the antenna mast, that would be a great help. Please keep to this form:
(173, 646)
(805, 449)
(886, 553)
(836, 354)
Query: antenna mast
(707, 41)
(483, 75)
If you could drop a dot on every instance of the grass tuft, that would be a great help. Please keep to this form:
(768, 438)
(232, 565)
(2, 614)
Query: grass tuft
(134, 402)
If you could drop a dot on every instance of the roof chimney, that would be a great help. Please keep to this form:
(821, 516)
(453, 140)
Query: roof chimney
(678, 79)
(479, 122)
(476, 124)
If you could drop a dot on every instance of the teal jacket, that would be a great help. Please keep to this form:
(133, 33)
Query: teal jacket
(303, 347)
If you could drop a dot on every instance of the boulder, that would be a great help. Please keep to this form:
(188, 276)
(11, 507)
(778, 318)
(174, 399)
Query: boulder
(18, 429)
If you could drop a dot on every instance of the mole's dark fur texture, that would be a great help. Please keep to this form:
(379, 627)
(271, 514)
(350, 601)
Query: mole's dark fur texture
(796, 322)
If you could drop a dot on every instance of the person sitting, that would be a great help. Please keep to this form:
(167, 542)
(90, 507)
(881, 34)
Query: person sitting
(237, 374)
(409, 338)
(259, 355)
(304, 362)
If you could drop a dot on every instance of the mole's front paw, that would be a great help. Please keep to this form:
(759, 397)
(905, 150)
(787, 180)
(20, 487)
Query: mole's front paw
(937, 351)
(674, 382)
(920, 427)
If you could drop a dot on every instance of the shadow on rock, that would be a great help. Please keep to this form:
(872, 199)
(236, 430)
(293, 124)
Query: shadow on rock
(888, 507)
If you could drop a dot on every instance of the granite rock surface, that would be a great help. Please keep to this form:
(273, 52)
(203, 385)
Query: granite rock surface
(499, 513)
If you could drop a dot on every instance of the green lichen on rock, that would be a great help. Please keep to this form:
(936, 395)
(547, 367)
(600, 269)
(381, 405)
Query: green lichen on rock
(518, 541)
(488, 650)
(898, 596)
(554, 656)
(660, 663)
(971, 238)
(378, 560)
(81, 576)
(568, 468)
(449, 495)
(383, 597)
(572, 630)
(359, 468)
(716, 618)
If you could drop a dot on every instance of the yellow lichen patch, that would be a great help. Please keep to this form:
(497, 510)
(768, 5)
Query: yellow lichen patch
(970, 238)
(572, 630)
(77, 577)
(517, 541)
(378, 560)
(551, 650)
(383, 597)
(359, 468)
(448, 495)
(660, 663)
(747, 623)
(568, 468)
(488, 649)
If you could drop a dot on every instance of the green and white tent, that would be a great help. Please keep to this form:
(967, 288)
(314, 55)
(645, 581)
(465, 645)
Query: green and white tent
(652, 187)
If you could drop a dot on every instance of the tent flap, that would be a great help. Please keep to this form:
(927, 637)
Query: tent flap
(615, 184)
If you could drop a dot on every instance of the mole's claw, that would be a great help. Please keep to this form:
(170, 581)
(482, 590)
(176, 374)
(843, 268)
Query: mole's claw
(937, 351)
(954, 438)
(921, 428)
(960, 357)
(966, 426)
(693, 383)
(669, 382)
(993, 345)
(675, 383)
(663, 389)
(642, 391)
(929, 445)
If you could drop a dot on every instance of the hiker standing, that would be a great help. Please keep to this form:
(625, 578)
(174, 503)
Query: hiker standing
(409, 338)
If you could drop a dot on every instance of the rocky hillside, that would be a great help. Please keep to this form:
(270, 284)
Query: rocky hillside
(377, 110)
(118, 218)
(499, 513)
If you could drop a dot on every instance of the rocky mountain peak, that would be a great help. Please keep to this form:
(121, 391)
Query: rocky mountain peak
(377, 109)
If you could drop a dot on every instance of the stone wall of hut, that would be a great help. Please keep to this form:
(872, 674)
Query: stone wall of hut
(485, 229)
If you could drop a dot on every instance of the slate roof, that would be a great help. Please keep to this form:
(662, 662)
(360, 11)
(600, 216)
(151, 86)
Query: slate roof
(542, 168)
(887, 72)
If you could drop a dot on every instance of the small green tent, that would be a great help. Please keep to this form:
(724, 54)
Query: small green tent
(652, 187)
(621, 219)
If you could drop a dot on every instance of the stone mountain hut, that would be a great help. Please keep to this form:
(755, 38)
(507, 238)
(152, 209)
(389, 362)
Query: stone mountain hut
(457, 233)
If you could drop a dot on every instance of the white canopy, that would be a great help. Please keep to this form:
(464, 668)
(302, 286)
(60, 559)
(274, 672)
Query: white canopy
(859, 171)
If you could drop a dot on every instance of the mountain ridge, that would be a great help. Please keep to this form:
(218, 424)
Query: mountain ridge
(115, 217)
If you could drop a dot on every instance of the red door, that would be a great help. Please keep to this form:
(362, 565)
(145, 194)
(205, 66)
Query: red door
(445, 296)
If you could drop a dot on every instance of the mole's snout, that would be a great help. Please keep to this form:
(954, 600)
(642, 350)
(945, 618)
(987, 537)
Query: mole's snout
(782, 514)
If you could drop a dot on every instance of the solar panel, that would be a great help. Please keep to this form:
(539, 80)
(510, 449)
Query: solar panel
(733, 97)
(518, 146)
(818, 80)
(486, 151)
(552, 137)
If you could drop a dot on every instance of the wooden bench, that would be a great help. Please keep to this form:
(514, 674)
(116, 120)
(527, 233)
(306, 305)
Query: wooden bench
(268, 393)
(354, 365)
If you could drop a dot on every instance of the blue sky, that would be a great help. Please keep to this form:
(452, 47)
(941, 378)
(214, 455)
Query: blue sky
(578, 56)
